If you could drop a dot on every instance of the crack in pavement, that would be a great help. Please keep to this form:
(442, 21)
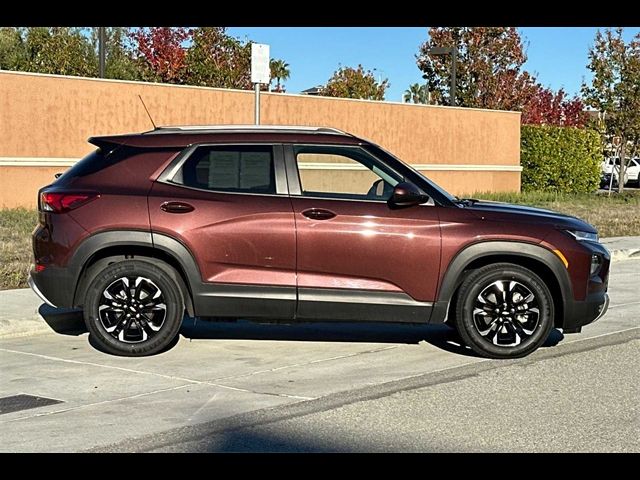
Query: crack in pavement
(302, 364)
(189, 381)
(623, 305)
(103, 402)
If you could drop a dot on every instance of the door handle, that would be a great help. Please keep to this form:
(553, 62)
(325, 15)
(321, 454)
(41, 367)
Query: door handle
(177, 207)
(318, 214)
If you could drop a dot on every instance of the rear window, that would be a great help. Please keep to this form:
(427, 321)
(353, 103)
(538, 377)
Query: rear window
(96, 161)
(237, 168)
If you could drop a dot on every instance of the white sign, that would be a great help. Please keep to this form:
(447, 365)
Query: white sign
(260, 72)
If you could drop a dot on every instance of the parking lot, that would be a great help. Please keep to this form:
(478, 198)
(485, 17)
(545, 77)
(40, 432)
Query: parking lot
(219, 371)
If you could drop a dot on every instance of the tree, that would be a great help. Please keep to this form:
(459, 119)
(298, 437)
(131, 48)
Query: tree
(615, 89)
(349, 82)
(279, 71)
(218, 60)
(59, 50)
(548, 108)
(161, 52)
(120, 52)
(489, 67)
(120, 62)
(205, 56)
(416, 93)
(13, 53)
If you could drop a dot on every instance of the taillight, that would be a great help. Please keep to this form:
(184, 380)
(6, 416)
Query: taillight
(59, 202)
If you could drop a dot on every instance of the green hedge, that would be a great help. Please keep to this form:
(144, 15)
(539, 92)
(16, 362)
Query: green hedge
(560, 159)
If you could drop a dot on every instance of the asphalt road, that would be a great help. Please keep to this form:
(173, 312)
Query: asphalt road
(583, 398)
(329, 387)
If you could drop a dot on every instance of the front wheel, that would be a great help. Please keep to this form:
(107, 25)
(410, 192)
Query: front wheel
(504, 311)
(133, 308)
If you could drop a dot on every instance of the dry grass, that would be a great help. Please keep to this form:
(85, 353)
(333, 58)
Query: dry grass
(616, 216)
(16, 226)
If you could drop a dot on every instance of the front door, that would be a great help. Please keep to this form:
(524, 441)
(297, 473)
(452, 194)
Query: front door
(358, 259)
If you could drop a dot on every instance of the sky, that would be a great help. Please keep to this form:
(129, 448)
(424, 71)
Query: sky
(557, 55)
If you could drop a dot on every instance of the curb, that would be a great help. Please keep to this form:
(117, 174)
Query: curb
(625, 254)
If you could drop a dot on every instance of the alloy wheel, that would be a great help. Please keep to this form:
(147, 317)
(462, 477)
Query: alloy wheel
(506, 313)
(132, 309)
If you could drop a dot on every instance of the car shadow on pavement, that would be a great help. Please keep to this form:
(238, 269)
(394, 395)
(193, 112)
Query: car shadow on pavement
(70, 322)
(65, 321)
(438, 335)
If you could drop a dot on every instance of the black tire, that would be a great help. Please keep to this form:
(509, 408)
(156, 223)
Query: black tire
(507, 327)
(133, 328)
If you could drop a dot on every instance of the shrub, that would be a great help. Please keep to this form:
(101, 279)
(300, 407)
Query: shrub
(560, 159)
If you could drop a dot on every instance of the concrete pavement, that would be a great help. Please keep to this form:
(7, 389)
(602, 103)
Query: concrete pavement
(218, 371)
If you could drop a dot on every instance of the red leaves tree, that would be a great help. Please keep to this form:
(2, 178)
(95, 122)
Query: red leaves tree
(545, 107)
(489, 67)
(161, 51)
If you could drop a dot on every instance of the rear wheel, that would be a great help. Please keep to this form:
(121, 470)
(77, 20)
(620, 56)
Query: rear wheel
(133, 308)
(504, 311)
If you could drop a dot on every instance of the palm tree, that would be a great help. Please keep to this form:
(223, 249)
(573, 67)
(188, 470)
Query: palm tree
(416, 93)
(279, 71)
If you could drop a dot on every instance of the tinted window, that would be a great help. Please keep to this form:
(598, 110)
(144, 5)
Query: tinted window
(230, 169)
(343, 172)
(96, 161)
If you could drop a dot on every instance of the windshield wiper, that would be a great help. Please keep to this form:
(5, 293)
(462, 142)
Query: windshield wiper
(465, 201)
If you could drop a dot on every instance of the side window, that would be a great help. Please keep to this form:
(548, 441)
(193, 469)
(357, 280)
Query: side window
(343, 172)
(238, 168)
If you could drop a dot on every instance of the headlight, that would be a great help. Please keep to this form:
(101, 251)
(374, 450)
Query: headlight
(583, 236)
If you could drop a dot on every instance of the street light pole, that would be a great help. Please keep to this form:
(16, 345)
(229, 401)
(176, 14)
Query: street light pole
(453, 51)
(454, 61)
(101, 49)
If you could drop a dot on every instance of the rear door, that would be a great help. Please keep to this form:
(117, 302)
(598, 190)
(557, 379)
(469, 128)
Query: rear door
(229, 205)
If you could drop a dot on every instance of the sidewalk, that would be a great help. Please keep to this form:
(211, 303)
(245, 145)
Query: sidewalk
(19, 315)
(622, 248)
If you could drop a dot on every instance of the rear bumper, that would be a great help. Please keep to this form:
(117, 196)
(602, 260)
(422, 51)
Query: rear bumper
(53, 285)
(37, 291)
(584, 313)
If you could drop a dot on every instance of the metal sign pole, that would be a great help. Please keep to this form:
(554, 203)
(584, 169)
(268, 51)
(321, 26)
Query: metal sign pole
(257, 114)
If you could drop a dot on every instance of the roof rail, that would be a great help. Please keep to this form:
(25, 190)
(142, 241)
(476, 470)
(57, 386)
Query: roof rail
(222, 128)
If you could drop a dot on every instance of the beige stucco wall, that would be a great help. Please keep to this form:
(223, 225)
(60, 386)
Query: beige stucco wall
(46, 119)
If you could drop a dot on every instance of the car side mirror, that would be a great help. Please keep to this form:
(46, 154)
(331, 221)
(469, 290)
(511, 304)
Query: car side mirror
(406, 194)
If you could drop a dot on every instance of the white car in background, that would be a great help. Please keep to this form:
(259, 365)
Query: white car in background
(632, 174)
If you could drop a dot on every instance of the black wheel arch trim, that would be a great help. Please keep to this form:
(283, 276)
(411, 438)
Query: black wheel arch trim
(133, 238)
(453, 277)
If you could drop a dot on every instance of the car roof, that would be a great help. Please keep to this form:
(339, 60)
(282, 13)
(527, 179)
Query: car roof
(184, 135)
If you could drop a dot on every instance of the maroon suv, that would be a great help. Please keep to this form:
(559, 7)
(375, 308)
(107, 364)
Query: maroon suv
(300, 224)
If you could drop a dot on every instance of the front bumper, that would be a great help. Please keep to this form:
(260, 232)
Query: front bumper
(584, 313)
